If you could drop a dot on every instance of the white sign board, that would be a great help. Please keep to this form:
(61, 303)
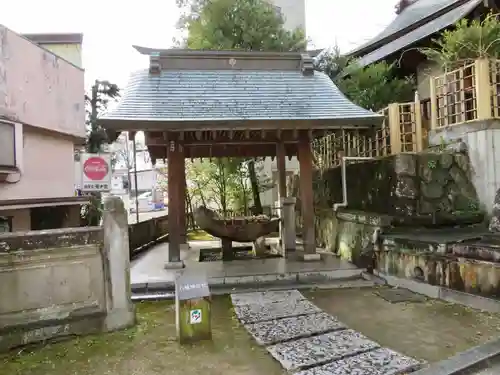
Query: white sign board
(195, 316)
(96, 172)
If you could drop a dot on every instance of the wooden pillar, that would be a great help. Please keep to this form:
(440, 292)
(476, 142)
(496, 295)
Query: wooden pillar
(182, 197)
(175, 160)
(281, 164)
(306, 196)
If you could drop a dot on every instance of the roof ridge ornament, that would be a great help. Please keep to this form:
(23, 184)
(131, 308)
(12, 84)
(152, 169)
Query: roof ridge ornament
(306, 64)
(154, 63)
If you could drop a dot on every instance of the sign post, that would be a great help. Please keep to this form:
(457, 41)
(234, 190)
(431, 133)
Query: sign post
(192, 308)
(96, 172)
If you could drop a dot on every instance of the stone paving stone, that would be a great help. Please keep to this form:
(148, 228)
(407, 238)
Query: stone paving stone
(381, 361)
(268, 311)
(279, 330)
(266, 297)
(318, 350)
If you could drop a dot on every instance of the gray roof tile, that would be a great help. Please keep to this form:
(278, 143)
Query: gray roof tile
(420, 33)
(225, 95)
(414, 13)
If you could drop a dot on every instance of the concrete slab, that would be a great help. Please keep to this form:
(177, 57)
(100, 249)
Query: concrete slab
(266, 297)
(280, 330)
(376, 362)
(150, 266)
(318, 350)
(269, 311)
(396, 295)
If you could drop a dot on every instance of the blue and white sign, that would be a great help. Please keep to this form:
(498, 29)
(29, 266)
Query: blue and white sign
(195, 316)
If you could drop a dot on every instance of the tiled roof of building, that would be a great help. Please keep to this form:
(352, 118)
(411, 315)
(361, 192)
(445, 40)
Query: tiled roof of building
(259, 90)
(409, 17)
(422, 32)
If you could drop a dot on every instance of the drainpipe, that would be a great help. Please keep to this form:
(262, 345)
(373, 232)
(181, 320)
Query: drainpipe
(343, 162)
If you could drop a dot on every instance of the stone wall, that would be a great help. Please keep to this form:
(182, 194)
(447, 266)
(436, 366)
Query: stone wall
(66, 281)
(425, 189)
(416, 189)
(470, 266)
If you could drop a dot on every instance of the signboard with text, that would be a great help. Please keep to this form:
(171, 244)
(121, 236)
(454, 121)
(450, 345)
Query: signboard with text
(96, 172)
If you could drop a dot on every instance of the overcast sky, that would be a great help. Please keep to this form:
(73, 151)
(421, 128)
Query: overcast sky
(110, 27)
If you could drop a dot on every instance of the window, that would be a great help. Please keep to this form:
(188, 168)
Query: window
(7, 144)
(5, 224)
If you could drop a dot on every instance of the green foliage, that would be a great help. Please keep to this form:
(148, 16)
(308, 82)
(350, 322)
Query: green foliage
(469, 40)
(101, 94)
(376, 86)
(373, 87)
(220, 183)
(250, 25)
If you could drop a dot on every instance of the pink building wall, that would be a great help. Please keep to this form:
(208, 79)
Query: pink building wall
(45, 95)
(48, 169)
(38, 88)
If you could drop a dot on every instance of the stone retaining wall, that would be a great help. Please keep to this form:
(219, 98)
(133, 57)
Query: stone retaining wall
(65, 281)
(428, 188)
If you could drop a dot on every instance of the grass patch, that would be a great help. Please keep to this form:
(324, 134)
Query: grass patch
(149, 348)
(199, 235)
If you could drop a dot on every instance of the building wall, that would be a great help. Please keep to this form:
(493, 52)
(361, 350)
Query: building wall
(47, 170)
(482, 139)
(21, 219)
(69, 52)
(294, 12)
(425, 71)
(39, 88)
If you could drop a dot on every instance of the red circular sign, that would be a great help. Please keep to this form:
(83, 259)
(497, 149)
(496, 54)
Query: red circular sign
(95, 168)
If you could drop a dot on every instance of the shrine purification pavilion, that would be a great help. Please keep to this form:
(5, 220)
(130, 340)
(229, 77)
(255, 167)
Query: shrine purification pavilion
(197, 104)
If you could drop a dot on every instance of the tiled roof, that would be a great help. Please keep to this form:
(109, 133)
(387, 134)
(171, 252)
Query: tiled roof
(420, 33)
(414, 13)
(232, 95)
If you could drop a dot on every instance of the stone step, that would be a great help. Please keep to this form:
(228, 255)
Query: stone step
(229, 282)
(308, 341)
(380, 361)
(315, 351)
(159, 293)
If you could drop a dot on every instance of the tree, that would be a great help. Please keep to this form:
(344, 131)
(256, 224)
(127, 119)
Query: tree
(249, 25)
(469, 40)
(373, 87)
(101, 93)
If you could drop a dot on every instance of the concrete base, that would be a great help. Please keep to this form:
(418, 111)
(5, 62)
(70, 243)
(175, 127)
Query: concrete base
(120, 319)
(308, 257)
(443, 293)
(174, 265)
(184, 246)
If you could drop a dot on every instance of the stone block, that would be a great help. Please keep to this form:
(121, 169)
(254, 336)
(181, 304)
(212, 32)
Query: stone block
(279, 330)
(174, 265)
(405, 164)
(307, 257)
(318, 350)
(266, 297)
(268, 311)
(376, 362)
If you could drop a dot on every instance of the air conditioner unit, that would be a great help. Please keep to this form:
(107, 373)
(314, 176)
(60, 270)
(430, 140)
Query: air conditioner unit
(8, 162)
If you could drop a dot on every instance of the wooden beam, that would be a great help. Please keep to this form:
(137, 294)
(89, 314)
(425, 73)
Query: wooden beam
(306, 193)
(174, 161)
(281, 164)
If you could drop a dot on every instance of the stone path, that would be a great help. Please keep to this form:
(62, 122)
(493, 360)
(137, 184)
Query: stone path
(308, 341)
